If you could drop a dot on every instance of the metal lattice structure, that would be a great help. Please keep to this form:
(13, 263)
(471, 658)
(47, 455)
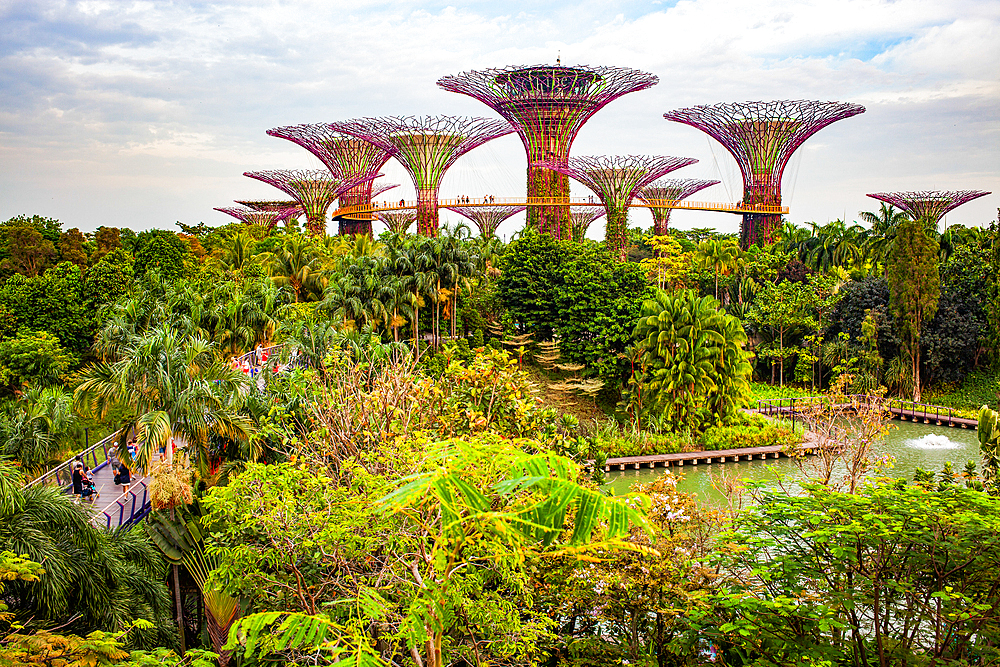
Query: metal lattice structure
(762, 136)
(426, 146)
(670, 190)
(548, 105)
(251, 216)
(487, 218)
(361, 223)
(287, 208)
(617, 179)
(581, 217)
(930, 204)
(346, 157)
(315, 190)
(398, 222)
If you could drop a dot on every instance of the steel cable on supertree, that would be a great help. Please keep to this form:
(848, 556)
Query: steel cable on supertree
(930, 204)
(762, 136)
(581, 217)
(346, 157)
(426, 146)
(669, 191)
(314, 189)
(488, 218)
(548, 104)
(398, 222)
(617, 179)
(251, 216)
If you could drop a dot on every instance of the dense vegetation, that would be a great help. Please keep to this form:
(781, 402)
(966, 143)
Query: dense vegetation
(414, 476)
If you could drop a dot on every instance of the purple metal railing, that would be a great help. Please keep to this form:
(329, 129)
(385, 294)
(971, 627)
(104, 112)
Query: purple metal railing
(95, 457)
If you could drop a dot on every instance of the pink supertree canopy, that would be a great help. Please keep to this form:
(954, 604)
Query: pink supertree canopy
(617, 179)
(548, 105)
(581, 217)
(397, 221)
(487, 218)
(345, 156)
(267, 218)
(670, 190)
(762, 136)
(931, 204)
(286, 208)
(426, 146)
(315, 190)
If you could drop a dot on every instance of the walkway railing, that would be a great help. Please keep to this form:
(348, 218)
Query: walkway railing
(129, 508)
(95, 457)
(797, 405)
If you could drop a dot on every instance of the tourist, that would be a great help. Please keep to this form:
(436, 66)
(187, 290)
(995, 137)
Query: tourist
(78, 478)
(124, 477)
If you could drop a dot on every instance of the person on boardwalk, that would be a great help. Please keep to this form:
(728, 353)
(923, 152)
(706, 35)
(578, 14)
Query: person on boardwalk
(124, 477)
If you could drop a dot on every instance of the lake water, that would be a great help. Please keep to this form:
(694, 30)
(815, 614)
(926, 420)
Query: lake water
(912, 446)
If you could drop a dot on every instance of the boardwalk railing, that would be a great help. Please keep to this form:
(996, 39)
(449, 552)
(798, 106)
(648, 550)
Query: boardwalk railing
(95, 457)
(129, 508)
(801, 405)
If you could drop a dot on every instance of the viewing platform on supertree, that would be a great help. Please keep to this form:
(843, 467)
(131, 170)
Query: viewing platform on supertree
(398, 222)
(671, 190)
(426, 146)
(266, 218)
(930, 204)
(581, 217)
(762, 136)
(547, 105)
(488, 218)
(616, 180)
(346, 157)
(314, 189)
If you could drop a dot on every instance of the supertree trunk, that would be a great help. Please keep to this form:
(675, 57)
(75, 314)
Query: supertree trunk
(554, 220)
(616, 233)
(315, 226)
(427, 212)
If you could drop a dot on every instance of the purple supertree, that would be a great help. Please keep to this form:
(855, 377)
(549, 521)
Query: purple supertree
(581, 218)
(315, 190)
(616, 179)
(487, 218)
(346, 157)
(397, 221)
(762, 136)
(287, 209)
(667, 192)
(548, 105)
(930, 204)
(426, 146)
(252, 216)
(361, 222)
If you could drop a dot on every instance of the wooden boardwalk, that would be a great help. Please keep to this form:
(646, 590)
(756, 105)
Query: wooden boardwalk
(938, 415)
(700, 458)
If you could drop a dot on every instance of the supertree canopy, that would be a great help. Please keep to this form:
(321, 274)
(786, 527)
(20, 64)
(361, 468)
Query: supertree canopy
(267, 218)
(548, 105)
(581, 217)
(315, 190)
(762, 136)
(487, 218)
(397, 221)
(669, 190)
(617, 179)
(286, 208)
(346, 157)
(426, 146)
(931, 204)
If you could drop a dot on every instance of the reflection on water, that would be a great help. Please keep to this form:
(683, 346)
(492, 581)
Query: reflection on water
(911, 446)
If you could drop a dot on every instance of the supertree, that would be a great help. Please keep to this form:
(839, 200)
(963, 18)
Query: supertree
(581, 217)
(931, 204)
(762, 136)
(487, 218)
(360, 223)
(315, 190)
(670, 190)
(286, 208)
(252, 216)
(548, 105)
(397, 221)
(617, 179)
(346, 157)
(426, 146)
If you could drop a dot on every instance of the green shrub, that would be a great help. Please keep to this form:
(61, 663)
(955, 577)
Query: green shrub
(746, 431)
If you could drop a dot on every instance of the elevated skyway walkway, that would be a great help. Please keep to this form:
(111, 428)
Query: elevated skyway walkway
(364, 211)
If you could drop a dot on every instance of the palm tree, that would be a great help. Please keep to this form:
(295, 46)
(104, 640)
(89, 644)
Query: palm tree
(235, 253)
(718, 255)
(877, 241)
(298, 265)
(166, 386)
(836, 244)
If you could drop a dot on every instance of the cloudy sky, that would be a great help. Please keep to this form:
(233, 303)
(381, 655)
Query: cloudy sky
(140, 114)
